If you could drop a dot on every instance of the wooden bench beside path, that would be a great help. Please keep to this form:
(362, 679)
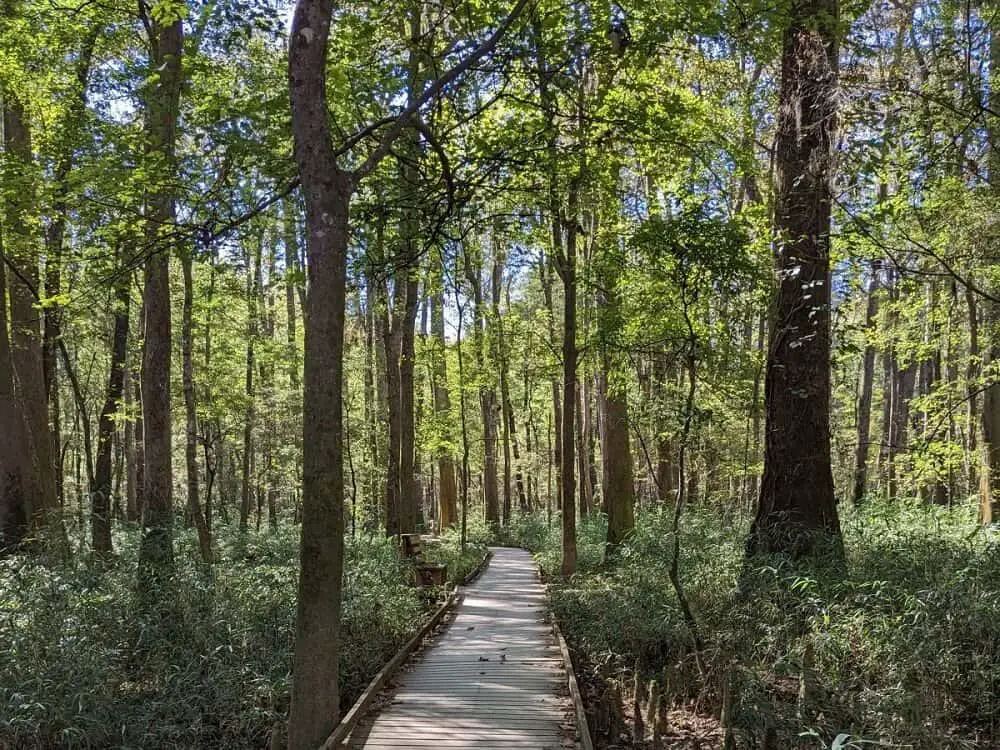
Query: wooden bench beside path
(494, 680)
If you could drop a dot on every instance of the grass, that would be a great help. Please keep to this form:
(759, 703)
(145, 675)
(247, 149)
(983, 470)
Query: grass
(904, 649)
(81, 666)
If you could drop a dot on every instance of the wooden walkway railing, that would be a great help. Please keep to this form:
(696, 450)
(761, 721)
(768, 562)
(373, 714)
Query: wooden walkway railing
(494, 680)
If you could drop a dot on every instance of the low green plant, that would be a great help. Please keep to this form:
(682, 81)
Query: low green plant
(83, 666)
(903, 646)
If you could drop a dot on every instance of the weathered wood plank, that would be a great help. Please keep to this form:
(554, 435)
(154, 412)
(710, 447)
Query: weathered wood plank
(494, 680)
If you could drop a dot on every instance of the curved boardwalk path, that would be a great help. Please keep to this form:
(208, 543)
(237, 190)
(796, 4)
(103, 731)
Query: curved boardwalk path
(493, 680)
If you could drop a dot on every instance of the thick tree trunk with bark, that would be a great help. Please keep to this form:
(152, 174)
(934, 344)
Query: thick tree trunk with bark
(797, 498)
(16, 474)
(989, 478)
(156, 552)
(327, 190)
(25, 332)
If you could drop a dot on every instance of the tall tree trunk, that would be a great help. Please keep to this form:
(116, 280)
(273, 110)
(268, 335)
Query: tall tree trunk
(498, 346)
(865, 390)
(16, 473)
(291, 243)
(567, 270)
(372, 406)
(25, 331)
(265, 293)
(555, 455)
(447, 490)
(249, 390)
(315, 695)
(392, 346)
(617, 487)
(190, 410)
(408, 501)
(989, 479)
(100, 492)
(797, 497)
(131, 467)
(156, 552)
(487, 398)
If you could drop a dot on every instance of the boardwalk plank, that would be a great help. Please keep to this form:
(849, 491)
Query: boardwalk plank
(494, 680)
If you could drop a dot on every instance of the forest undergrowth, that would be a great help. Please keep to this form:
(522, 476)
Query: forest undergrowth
(82, 665)
(901, 652)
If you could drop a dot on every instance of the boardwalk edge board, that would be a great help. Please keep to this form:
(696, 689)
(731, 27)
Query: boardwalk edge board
(582, 729)
(478, 570)
(357, 711)
(361, 705)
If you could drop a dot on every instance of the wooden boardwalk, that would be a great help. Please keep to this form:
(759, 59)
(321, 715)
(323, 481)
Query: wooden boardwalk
(494, 680)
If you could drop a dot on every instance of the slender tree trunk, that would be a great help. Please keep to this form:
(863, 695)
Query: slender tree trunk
(392, 346)
(131, 464)
(100, 492)
(249, 390)
(499, 356)
(972, 374)
(797, 497)
(555, 455)
(447, 491)
(865, 391)
(190, 410)
(408, 501)
(487, 401)
(291, 243)
(567, 270)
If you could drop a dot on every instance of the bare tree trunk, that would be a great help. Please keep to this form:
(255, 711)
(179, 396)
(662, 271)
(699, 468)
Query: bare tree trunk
(499, 346)
(291, 243)
(407, 437)
(582, 471)
(265, 293)
(972, 375)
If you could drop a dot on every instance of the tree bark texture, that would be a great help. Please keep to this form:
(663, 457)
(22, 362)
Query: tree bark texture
(315, 695)
(797, 496)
